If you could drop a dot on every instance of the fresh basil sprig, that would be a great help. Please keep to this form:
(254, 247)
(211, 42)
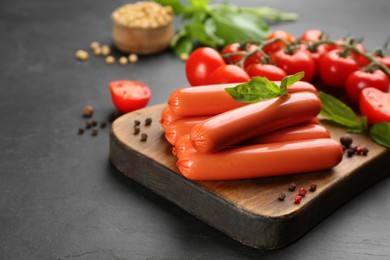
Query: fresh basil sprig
(261, 88)
(338, 112)
(216, 25)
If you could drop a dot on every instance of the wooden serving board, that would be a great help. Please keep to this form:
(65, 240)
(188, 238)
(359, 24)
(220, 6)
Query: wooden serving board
(246, 210)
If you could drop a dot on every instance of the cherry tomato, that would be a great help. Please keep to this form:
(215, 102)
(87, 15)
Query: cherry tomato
(311, 36)
(335, 69)
(293, 63)
(228, 74)
(129, 95)
(375, 105)
(384, 60)
(236, 48)
(359, 80)
(201, 63)
(287, 37)
(269, 71)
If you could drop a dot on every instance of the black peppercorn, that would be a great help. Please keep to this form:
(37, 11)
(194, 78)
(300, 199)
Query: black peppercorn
(148, 121)
(136, 130)
(94, 132)
(81, 131)
(282, 196)
(137, 122)
(144, 137)
(346, 140)
(313, 187)
(365, 151)
(292, 187)
(103, 124)
(350, 152)
(88, 111)
(94, 123)
(88, 125)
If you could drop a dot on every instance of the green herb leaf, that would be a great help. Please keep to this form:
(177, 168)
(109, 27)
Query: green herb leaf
(338, 112)
(199, 4)
(380, 133)
(177, 7)
(182, 42)
(239, 27)
(289, 80)
(198, 32)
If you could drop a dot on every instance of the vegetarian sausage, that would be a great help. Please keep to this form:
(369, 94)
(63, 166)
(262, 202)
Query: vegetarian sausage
(167, 117)
(213, 99)
(261, 160)
(292, 133)
(245, 122)
(180, 127)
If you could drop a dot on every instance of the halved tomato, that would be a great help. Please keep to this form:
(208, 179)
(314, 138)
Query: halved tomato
(129, 95)
(375, 105)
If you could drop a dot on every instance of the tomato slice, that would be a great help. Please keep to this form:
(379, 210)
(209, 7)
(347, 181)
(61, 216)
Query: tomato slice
(375, 105)
(129, 95)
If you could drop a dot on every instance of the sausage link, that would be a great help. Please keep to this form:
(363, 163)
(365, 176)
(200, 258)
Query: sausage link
(180, 127)
(213, 99)
(167, 117)
(254, 119)
(261, 160)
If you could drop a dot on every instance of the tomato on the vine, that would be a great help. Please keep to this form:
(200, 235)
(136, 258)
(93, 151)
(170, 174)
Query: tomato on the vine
(334, 68)
(228, 74)
(291, 63)
(375, 105)
(360, 79)
(310, 36)
(129, 95)
(385, 60)
(277, 45)
(201, 63)
(237, 48)
(269, 71)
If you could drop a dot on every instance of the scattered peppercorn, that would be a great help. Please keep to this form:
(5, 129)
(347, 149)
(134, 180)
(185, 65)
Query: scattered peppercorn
(137, 122)
(144, 137)
(282, 196)
(298, 199)
(136, 130)
(365, 151)
(148, 121)
(350, 152)
(94, 131)
(103, 124)
(88, 111)
(88, 125)
(313, 187)
(346, 140)
(94, 123)
(302, 192)
(292, 186)
(81, 131)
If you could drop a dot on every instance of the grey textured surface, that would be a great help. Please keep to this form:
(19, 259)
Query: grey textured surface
(60, 198)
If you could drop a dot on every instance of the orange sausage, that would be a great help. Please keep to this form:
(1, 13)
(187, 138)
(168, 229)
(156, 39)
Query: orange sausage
(213, 99)
(254, 119)
(292, 133)
(180, 127)
(167, 117)
(262, 160)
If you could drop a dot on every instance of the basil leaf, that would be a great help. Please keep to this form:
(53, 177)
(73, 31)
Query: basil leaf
(199, 4)
(198, 32)
(257, 89)
(336, 111)
(289, 80)
(177, 7)
(182, 43)
(380, 133)
(239, 27)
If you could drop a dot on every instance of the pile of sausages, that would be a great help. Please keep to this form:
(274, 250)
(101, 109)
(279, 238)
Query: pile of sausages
(218, 138)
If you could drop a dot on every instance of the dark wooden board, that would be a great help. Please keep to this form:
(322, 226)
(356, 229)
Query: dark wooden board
(246, 210)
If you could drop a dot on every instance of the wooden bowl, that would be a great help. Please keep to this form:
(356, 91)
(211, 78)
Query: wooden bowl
(141, 38)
